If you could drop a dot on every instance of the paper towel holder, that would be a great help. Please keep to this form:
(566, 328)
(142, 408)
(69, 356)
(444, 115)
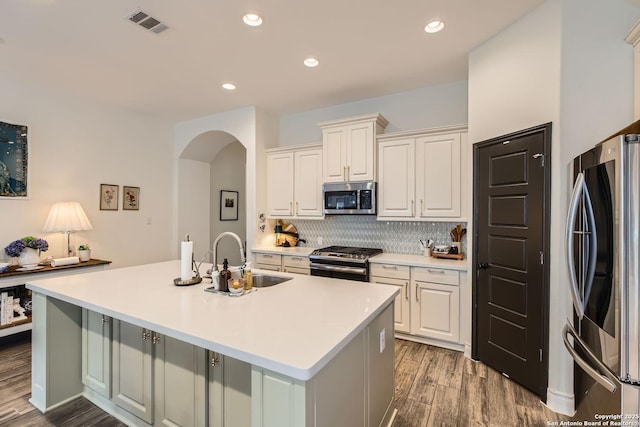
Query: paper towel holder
(194, 280)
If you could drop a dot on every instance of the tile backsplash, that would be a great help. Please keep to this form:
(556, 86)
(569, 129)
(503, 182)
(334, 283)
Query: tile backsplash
(367, 231)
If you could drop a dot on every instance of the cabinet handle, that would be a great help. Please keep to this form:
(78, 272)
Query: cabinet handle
(344, 173)
(431, 270)
(290, 208)
(215, 359)
(348, 172)
(406, 291)
(417, 295)
(105, 320)
(413, 211)
(296, 258)
(297, 208)
(389, 267)
(421, 206)
(145, 334)
(267, 256)
(155, 338)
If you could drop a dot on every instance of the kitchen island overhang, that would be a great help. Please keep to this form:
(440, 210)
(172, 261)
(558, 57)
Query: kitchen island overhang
(294, 329)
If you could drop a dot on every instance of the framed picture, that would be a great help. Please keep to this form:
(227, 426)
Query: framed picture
(14, 156)
(108, 197)
(130, 198)
(228, 205)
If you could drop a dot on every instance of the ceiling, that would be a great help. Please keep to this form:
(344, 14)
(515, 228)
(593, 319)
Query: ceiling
(366, 48)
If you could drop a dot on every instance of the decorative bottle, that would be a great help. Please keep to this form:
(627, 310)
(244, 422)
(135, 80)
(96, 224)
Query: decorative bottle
(225, 275)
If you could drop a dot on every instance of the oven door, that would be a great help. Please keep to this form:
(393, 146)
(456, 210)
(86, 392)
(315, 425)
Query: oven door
(345, 271)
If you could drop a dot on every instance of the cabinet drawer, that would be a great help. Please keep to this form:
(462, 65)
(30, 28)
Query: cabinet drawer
(271, 259)
(295, 261)
(268, 267)
(390, 270)
(297, 270)
(436, 275)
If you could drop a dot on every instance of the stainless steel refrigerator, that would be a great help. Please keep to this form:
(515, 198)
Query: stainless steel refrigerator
(603, 256)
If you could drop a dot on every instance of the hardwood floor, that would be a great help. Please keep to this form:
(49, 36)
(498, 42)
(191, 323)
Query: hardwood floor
(434, 387)
(440, 387)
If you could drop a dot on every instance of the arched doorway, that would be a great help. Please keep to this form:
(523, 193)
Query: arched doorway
(212, 162)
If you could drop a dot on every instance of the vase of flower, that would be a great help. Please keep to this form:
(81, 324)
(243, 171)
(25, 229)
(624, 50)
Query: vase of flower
(29, 257)
(27, 250)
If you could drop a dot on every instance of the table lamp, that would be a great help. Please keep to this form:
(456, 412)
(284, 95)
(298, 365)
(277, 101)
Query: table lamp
(67, 217)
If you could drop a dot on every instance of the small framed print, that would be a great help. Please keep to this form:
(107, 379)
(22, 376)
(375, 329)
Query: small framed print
(108, 197)
(130, 198)
(228, 205)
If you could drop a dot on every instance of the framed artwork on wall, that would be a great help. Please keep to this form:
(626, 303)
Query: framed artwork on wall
(228, 205)
(14, 157)
(130, 198)
(108, 197)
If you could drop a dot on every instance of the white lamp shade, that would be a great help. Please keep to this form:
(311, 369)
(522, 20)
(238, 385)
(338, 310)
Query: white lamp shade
(65, 217)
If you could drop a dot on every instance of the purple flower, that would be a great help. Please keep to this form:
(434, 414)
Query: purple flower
(15, 248)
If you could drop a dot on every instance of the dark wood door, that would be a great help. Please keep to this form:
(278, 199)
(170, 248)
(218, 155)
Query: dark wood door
(511, 206)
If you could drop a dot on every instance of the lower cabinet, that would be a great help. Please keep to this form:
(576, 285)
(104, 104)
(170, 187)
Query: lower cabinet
(428, 305)
(229, 392)
(96, 352)
(298, 264)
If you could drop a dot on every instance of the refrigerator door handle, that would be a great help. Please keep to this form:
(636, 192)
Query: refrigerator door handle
(601, 375)
(576, 195)
(593, 244)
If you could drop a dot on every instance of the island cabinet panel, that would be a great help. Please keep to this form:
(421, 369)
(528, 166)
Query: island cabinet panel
(56, 361)
(229, 392)
(133, 369)
(96, 352)
(180, 383)
(356, 388)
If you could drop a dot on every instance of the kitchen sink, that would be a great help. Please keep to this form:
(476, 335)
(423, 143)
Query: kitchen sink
(265, 280)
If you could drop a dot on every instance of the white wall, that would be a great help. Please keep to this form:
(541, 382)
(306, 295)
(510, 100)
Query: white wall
(74, 146)
(195, 205)
(553, 65)
(228, 173)
(417, 109)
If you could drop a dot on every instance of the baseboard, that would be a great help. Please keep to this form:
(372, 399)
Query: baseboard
(44, 409)
(391, 416)
(112, 409)
(430, 341)
(561, 403)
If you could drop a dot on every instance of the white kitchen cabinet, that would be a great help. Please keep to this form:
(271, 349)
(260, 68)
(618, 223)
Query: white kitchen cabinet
(395, 275)
(229, 392)
(294, 182)
(133, 369)
(421, 175)
(180, 383)
(298, 264)
(349, 148)
(435, 311)
(96, 352)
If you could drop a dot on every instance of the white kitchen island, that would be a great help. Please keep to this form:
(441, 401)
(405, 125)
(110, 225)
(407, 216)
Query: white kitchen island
(307, 352)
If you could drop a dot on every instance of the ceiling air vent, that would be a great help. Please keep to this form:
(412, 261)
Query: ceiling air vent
(146, 21)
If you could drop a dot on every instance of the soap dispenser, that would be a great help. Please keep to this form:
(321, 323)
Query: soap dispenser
(225, 275)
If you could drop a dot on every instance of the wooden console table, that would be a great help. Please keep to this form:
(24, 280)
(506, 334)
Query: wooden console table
(13, 278)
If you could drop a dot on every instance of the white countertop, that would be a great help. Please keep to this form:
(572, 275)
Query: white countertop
(419, 261)
(294, 328)
(281, 250)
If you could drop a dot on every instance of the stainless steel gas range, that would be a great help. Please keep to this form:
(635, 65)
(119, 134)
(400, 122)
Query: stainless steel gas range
(342, 262)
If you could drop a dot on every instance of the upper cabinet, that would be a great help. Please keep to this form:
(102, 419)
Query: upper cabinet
(294, 182)
(350, 148)
(421, 175)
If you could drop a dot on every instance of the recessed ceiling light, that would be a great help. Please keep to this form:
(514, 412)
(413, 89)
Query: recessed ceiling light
(229, 86)
(434, 26)
(311, 62)
(252, 19)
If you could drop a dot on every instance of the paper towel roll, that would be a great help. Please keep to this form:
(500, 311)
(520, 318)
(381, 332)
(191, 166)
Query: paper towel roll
(185, 261)
(57, 262)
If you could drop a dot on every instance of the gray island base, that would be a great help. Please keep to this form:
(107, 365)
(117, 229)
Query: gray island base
(308, 352)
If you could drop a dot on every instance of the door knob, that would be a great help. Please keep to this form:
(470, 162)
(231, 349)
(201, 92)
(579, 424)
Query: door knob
(483, 265)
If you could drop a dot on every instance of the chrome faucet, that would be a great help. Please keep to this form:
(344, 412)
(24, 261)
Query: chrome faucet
(215, 248)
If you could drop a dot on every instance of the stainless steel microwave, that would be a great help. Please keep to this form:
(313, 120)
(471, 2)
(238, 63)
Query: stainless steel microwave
(349, 198)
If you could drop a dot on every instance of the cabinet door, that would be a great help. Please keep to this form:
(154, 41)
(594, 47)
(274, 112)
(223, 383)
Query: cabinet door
(438, 175)
(334, 154)
(180, 383)
(397, 176)
(96, 352)
(361, 154)
(308, 183)
(229, 392)
(280, 184)
(435, 311)
(133, 370)
(402, 313)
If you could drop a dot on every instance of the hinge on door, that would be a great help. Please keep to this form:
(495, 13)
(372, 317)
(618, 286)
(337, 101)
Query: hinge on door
(540, 355)
(541, 157)
(541, 258)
